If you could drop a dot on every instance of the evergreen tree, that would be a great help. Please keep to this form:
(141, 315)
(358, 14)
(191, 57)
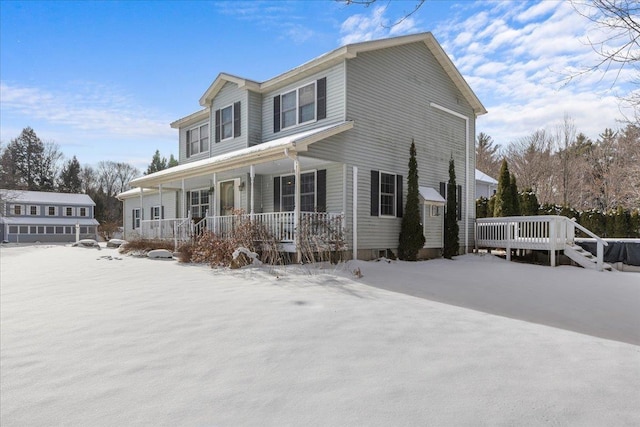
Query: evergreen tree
(451, 231)
(621, 222)
(513, 195)
(529, 205)
(69, 181)
(411, 232)
(157, 163)
(482, 205)
(504, 199)
(172, 161)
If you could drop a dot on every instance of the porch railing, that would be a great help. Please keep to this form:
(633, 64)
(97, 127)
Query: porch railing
(280, 225)
(545, 232)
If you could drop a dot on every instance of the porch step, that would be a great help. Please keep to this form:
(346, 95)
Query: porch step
(584, 258)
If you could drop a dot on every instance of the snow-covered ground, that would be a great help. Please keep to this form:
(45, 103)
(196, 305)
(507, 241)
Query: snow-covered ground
(90, 340)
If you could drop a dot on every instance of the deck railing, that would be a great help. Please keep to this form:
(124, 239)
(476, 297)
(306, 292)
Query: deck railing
(546, 232)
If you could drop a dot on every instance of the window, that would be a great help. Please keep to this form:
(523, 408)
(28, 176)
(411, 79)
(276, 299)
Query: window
(301, 105)
(83, 211)
(386, 194)
(155, 212)
(33, 210)
(228, 123)
(59, 230)
(68, 211)
(435, 210)
(443, 192)
(50, 230)
(197, 140)
(24, 229)
(312, 192)
(17, 209)
(13, 229)
(136, 218)
(199, 203)
(52, 211)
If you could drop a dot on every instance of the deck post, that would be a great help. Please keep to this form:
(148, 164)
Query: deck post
(552, 242)
(508, 238)
(599, 255)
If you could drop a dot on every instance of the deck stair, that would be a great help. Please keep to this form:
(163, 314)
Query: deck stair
(583, 257)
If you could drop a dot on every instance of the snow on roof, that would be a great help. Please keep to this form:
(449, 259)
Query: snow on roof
(36, 220)
(483, 177)
(431, 195)
(22, 196)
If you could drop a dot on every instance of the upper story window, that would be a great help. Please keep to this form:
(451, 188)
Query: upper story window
(33, 210)
(52, 211)
(198, 140)
(301, 105)
(68, 211)
(83, 212)
(228, 122)
(17, 209)
(386, 194)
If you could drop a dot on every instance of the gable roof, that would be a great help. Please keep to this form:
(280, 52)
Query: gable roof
(429, 194)
(23, 196)
(347, 52)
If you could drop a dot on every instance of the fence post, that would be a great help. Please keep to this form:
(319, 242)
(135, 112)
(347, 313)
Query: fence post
(600, 255)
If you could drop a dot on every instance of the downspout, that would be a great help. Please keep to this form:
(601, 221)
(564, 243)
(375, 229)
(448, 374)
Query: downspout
(466, 169)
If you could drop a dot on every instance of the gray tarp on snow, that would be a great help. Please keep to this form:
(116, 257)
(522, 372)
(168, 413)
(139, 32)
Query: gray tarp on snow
(627, 252)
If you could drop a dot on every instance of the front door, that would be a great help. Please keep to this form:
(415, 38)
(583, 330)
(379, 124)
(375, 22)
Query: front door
(229, 197)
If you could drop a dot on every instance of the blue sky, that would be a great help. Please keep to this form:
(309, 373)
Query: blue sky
(103, 80)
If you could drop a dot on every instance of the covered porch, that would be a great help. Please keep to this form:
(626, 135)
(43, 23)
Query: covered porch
(274, 185)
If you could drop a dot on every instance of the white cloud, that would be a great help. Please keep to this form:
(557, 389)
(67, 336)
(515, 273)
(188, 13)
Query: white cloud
(374, 25)
(86, 107)
(518, 58)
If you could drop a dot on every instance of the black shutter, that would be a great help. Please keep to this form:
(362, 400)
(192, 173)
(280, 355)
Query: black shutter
(375, 193)
(399, 204)
(321, 186)
(188, 203)
(162, 212)
(459, 202)
(443, 190)
(151, 212)
(133, 219)
(276, 114)
(321, 95)
(188, 144)
(217, 125)
(276, 194)
(237, 124)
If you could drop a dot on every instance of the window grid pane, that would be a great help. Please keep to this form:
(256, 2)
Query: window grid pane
(289, 109)
(227, 122)
(307, 102)
(387, 194)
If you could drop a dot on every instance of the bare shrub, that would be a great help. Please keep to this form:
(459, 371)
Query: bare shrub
(146, 245)
(322, 239)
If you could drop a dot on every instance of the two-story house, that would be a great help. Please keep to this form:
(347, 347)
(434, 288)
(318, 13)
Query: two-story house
(330, 137)
(38, 216)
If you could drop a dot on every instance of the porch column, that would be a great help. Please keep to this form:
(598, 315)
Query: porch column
(184, 201)
(141, 214)
(214, 184)
(252, 176)
(296, 208)
(160, 220)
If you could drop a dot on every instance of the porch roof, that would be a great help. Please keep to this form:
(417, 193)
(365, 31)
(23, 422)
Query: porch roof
(261, 153)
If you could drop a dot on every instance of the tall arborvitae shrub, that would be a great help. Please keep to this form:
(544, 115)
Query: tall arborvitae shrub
(634, 223)
(451, 231)
(411, 231)
(528, 203)
(513, 196)
(503, 205)
(482, 206)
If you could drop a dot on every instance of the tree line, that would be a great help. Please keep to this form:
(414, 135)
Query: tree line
(28, 163)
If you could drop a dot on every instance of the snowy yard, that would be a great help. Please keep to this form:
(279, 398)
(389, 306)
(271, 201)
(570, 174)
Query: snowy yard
(87, 340)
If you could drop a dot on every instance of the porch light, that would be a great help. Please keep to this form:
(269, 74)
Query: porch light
(241, 186)
(211, 190)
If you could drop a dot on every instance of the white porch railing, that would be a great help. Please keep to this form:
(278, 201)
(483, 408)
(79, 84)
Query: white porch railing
(281, 225)
(546, 232)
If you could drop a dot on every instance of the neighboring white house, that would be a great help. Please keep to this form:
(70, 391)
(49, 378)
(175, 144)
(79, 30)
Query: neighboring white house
(485, 185)
(37, 216)
(328, 139)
